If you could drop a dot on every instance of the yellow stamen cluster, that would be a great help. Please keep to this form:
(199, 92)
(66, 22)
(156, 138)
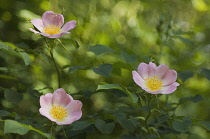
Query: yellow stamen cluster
(52, 29)
(58, 113)
(153, 83)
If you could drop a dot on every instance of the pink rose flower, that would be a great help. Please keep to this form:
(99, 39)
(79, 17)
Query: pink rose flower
(60, 107)
(51, 25)
(155, 80)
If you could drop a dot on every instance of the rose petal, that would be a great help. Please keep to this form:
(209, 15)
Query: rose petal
(38, 24)
(68, 26)
(152, 69)
(74, 112)
(137, 78)
(50, 18)
(46, 101)
(58, 35)
(170, 88)
(161, 70)
(143, 70)
(169, 78)
(61, 98)
(45, 112)
(34, 31)
(153, 92)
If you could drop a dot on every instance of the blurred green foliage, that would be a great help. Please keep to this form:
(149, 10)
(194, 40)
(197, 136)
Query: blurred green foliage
(171, 32)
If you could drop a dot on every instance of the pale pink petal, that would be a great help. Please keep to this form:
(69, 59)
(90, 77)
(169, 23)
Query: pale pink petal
(34, 31)
(143, 70)
(151, 69)
(45, 112)
(46, 101)
(170, 88)
(38, 24)
(58, 35)
(169, 78)
(74, 112)
(137, 78)
(161, 70)
(61, 98)
(152, 92)
(44, 34)
(74, 106)
(68, 26)
(50, 18)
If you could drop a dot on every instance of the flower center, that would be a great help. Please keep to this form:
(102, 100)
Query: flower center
(58, 113)
(153, 83)
(51, 29)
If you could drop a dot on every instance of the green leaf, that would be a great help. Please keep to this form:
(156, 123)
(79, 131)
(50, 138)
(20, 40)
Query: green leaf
(80, 125)
(194, 99)
(121, 118)
(103, 127)
(4, 46)
(184, 75)
(133, 96)
(205, 124)
(206, 73)
(12, 96)
(26, 58)
(162, 118)
(104, 86)
(185, 40)
(4, 69)
(100, 49)
(4, 113)
(44, 57)
(74, 68)
(182, 125)
(11, 126)
(128, 58)
(103, 70)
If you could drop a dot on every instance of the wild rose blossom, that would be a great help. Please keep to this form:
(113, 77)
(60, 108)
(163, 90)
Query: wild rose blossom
(155, 80)
(51, 25)
(60, 107)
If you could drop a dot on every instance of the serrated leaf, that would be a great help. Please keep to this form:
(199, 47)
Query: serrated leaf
(206, 73)
(184, 75)
(11, 126)
(26, 58)
(80, 125)
(103, 127)
(128, 58)
(205, 124)
(12, 96)
(100, 49)
(182, 125)
(103, 70)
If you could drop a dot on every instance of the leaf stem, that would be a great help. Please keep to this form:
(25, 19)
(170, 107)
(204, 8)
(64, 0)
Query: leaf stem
(149, 112)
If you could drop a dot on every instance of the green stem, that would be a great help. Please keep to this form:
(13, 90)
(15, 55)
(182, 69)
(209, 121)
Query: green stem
(65, 133)
(148, 103)
(56, 67)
